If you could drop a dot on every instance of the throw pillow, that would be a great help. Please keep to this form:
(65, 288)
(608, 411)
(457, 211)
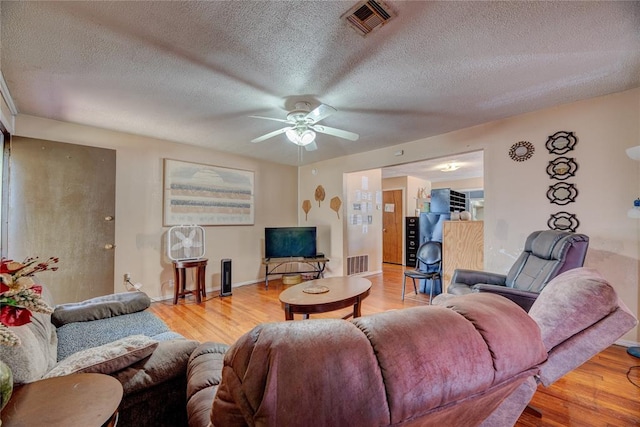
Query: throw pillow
(106, 359)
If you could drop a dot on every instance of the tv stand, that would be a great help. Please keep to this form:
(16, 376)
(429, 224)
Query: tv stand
(317, 265)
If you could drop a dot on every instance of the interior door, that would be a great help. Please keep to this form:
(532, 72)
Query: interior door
(392, 215)
(62, 204)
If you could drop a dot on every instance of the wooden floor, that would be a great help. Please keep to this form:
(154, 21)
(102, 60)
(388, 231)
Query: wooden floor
(596, 394)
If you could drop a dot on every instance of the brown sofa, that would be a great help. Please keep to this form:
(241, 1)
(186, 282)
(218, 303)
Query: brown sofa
(418, 366)
(472, 360)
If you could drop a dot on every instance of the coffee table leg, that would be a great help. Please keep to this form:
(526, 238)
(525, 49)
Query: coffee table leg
(288, 314)
(356, 309)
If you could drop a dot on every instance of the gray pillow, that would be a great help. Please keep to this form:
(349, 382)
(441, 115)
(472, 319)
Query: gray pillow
(100, 308)
(38, 352)
(106, 359)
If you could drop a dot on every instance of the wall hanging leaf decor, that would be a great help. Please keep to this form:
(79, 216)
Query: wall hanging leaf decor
(306, 207)
(320, 194)
(335, 205)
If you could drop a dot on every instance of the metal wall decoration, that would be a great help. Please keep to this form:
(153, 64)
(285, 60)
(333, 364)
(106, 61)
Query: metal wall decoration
(561, 142)
(563, 221)
(562, 168)
(521, 151)
(562, 193)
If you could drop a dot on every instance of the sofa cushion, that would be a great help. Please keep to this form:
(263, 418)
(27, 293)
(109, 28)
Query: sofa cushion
(77, 336)
(571, 302)
(203, 377)
(39, 349)
(168, 361)
(37, 352)
(108, 358)
(100, 308)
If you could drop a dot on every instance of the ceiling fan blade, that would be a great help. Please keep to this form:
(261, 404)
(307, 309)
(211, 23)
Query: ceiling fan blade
(320, 112)
(270, 118)
(311, 146)
(336, 132)
(272, 134)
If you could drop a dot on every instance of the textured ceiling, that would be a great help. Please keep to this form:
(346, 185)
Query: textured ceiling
(193, 72)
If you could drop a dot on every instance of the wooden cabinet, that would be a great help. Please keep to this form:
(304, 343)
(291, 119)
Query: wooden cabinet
(462, 247)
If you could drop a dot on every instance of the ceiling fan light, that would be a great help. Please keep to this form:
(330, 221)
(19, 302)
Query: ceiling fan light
(450, 167)
(293, 136)
(307, 137)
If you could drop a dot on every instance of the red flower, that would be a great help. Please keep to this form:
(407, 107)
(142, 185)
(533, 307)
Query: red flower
(14, 316)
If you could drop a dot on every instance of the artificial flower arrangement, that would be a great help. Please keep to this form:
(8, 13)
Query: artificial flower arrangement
(19, 295)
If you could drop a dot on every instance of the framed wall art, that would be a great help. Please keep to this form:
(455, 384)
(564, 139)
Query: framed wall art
(201, 194)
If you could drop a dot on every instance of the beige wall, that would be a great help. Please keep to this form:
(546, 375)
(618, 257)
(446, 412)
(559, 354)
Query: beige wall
(139, 231)
(363, 238)
(461, 184)
(515, 192)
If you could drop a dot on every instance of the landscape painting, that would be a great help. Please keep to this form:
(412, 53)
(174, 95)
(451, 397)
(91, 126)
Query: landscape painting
(207, 195)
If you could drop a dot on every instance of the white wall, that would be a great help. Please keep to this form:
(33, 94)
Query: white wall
(139, 230)
(515, 192)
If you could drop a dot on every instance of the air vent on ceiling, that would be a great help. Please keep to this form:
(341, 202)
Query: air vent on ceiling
(368, 15)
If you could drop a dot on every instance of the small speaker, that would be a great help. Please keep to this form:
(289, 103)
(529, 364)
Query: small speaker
(225, 277)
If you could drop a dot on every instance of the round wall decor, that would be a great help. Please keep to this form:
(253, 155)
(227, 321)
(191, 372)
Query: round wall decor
(521, 151)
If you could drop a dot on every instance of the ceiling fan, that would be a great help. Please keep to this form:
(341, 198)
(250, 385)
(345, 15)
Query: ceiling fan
(303, 126)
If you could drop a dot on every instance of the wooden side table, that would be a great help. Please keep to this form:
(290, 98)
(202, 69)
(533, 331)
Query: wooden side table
(180, 276)
(78, 400)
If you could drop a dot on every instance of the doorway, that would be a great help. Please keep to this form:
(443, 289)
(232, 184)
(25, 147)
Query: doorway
(392, 215)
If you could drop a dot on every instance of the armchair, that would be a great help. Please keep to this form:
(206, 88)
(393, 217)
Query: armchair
(546, 254)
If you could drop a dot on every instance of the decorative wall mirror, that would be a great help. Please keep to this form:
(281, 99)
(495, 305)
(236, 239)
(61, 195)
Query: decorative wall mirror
(521, 151)
(562, 168)
(563, 221)
(562, 193)
(561, 142)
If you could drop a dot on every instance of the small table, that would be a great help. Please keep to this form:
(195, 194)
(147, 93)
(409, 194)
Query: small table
(343, 292)
(78, 400)
(180, 278)
(317, 265)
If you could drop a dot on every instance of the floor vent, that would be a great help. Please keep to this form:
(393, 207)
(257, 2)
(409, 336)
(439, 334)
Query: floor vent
(357, 264)
(367, 16)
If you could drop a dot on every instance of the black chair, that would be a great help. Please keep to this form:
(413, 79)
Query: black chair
(428, 266)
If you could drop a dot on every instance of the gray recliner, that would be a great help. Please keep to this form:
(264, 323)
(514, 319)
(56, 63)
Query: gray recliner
(546, 254)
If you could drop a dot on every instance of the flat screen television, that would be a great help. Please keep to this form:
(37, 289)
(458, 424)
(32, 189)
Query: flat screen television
(286, 242)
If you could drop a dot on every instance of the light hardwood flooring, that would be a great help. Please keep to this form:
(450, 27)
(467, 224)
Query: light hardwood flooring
(596, 394)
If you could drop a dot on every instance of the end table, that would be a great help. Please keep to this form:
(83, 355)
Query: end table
(77, 400)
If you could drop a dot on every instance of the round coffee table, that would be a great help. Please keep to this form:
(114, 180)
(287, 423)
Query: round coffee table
(341, 292)
(77, 400)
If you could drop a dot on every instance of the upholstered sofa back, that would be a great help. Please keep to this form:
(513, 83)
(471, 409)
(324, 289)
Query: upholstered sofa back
(418, 366)
(38, 352)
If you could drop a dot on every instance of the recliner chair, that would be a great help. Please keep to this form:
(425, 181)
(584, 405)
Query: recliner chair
(546, 254)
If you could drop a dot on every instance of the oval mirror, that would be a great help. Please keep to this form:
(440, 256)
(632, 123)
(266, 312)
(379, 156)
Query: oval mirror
(562, 168)
(563, 221)
(562, 193)
(561, 142)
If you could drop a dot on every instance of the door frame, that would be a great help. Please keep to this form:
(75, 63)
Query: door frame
(403, 215)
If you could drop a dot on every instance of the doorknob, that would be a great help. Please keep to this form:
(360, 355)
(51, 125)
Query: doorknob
(109, 246)
(108, 218)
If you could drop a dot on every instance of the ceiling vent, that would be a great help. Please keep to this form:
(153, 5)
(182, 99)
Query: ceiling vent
(366, 16)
